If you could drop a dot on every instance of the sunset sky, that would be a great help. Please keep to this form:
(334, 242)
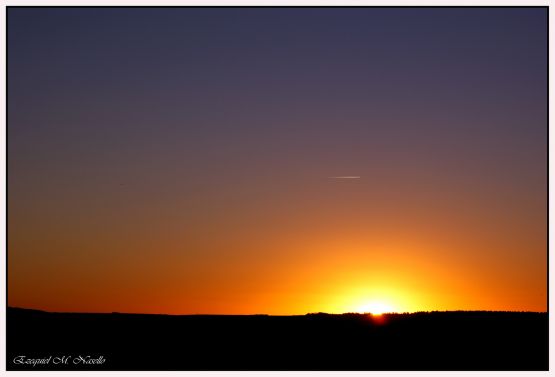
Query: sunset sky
(179, 160)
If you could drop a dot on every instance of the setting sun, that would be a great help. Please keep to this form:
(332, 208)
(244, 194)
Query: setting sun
(376, 307)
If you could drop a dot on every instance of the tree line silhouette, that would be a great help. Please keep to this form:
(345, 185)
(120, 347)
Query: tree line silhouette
(457, 340)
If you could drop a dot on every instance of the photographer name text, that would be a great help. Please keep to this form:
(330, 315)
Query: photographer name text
(59, 360)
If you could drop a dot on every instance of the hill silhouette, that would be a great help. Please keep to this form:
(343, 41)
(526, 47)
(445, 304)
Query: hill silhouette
(459, 340)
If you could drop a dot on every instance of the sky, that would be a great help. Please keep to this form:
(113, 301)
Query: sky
(182, 160)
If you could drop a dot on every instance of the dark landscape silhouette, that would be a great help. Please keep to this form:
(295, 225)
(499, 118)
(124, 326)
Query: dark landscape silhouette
(458, 340)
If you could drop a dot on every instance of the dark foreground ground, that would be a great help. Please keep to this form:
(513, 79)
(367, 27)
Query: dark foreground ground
(421, 341)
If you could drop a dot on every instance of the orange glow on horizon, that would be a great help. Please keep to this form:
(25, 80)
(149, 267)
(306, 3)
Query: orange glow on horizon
(362, 277)
(336, 255)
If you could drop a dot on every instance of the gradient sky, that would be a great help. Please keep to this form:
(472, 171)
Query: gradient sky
(178, 160)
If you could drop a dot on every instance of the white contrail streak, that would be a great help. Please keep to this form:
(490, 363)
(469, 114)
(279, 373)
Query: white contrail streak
(345, 177)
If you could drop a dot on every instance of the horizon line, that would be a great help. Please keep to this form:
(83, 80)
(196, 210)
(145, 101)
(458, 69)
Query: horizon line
(285, 315)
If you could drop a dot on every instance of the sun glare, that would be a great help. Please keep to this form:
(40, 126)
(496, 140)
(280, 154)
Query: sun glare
(376, 308)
